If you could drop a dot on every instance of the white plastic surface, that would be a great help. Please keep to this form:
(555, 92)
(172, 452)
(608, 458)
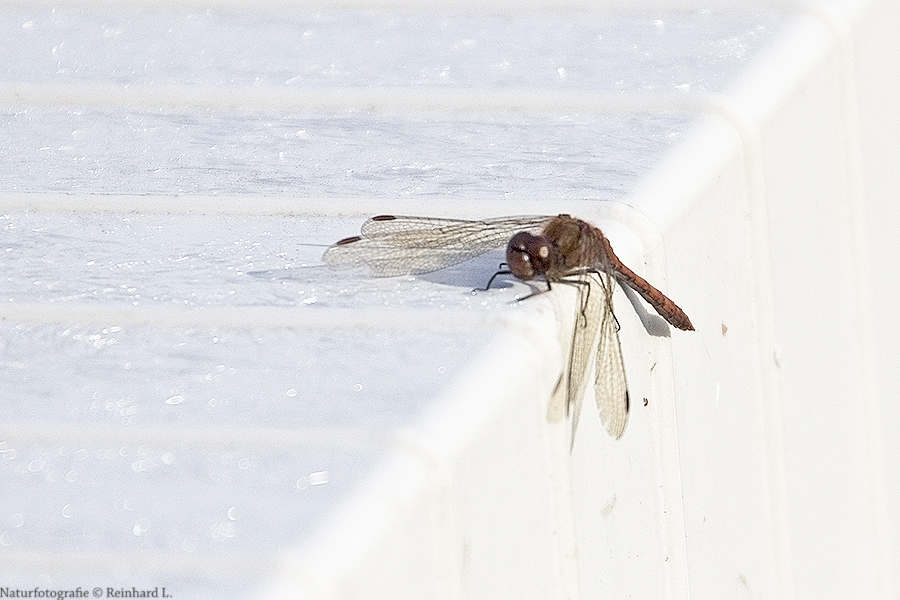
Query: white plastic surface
(189, 399)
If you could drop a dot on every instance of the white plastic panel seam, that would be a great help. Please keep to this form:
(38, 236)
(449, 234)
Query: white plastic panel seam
(77, 563)
(248, 317)
(840, 18)
(651, 263)
(745, 107)
(649, 196)
(517, 364)
(269, 437)
(370, 99)
(749, 134)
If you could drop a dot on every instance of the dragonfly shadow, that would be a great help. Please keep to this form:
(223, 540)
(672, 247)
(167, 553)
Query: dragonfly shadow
(654, 324)
(472, 274)
(299, 273)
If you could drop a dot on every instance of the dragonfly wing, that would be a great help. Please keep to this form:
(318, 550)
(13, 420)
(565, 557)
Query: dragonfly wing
(610, 386)
(399, 245)
(587, 321)
(399, 227)
(387, 260)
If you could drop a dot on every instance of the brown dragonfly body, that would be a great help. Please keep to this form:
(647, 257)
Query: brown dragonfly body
(560, 249)
(566, 246)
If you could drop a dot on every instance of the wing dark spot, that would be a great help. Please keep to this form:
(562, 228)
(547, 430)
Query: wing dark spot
(348, 240)
(383, 218)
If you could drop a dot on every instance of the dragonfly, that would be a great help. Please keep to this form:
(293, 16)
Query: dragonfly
(556, 249)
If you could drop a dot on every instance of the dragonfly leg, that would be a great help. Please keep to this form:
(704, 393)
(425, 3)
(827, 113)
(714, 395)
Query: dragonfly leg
(532, 295)
(501, 271)
(584, 294)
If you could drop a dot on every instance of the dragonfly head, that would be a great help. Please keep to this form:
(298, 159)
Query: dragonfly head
(529, 256)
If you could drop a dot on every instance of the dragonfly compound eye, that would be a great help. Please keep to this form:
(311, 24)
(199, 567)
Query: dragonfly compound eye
(528, 255)
(517, 256)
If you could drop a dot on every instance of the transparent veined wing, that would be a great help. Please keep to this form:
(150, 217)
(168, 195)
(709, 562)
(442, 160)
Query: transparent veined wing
(392, 245)
(610, 386)
(401, 245)
(590, 305)
(595, 315)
